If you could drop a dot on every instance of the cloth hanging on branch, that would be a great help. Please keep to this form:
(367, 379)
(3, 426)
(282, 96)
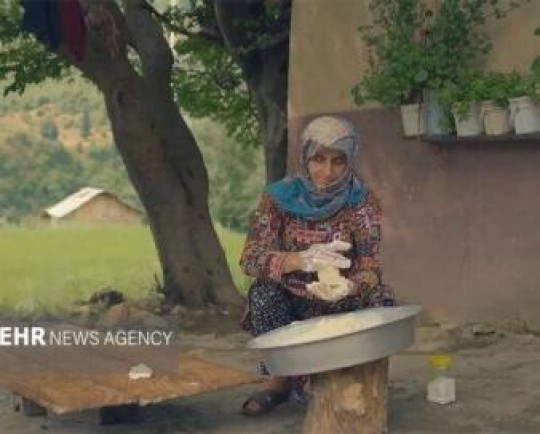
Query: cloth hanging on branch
(56, 23)
(42, 19)
(73, 27)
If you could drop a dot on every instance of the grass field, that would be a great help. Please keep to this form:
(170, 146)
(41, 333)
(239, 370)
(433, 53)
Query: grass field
(45, 268)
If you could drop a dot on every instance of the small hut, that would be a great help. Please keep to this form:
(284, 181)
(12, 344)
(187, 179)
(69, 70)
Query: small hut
(92, 205)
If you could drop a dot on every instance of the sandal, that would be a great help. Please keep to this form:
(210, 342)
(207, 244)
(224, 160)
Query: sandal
(266, 401)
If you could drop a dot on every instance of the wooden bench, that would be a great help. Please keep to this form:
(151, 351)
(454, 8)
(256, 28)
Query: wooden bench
(78, 378)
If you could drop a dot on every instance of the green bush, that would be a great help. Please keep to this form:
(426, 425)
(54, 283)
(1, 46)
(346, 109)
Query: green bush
(86, 123)
(49, 130)
(43, 100)
(27, 118)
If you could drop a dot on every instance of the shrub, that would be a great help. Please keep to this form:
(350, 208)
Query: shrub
(49, 130)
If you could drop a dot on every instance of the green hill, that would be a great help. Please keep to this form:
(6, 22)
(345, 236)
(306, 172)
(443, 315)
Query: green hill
(56, 138)
(75, 108)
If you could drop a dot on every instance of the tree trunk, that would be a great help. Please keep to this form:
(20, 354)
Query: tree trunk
(265, 70)
(272, 101)
(175, 195)
(275, 148)
(160, 153)
(349, 401)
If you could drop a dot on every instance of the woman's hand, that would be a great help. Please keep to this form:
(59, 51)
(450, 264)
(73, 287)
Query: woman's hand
(318, 256)
(331, 292)
(293, 262)
(322, 255)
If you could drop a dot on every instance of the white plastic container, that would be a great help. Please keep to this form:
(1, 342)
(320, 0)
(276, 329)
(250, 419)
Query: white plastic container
(524, 115)
(471, 124)
(413, 119)
(441, 388)
(496, 119)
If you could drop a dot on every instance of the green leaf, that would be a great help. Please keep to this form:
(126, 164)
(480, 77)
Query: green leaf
(536, 66)
(421, 76)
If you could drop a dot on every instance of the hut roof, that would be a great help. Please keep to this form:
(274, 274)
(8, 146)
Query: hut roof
(75, 201)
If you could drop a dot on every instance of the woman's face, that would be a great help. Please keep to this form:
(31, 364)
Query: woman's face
(326, 167)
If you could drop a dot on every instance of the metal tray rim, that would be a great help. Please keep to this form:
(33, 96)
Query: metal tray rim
(255, 342)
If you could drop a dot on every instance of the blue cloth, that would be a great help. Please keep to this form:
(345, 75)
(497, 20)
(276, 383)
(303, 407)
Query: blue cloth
(296, 195)
(42, 19)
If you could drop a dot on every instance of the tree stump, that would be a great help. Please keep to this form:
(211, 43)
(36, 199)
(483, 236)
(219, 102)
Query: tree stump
(349, 400)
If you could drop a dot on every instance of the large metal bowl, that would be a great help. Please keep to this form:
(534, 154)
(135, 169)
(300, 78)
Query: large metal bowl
(371, 334)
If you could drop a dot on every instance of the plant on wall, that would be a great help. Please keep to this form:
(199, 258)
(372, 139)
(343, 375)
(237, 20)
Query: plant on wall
(501, 87)
(411, 48)
(473, 85)
(454, 41)
(465, 89)
(396, 53)
(535, 66)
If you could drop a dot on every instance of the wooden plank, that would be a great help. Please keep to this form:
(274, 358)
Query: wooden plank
(195, 376)
(62, 393)
(162, 359)
(42, 380)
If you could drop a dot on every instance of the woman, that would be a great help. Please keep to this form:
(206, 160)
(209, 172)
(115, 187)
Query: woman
(324, 216)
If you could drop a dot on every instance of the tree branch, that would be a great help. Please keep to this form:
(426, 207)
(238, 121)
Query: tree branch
(211, 34)
(229, 15)
(151, 45)
(236, 20)
(107, 40)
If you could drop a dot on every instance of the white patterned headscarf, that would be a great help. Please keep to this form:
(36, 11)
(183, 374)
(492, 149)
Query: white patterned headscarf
(331, 132)
(299, 195)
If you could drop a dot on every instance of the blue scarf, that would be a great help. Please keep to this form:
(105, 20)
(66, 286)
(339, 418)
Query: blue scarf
(296, 195)
(299, 196)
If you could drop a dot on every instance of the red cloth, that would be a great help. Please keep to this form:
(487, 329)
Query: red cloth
(73, 27)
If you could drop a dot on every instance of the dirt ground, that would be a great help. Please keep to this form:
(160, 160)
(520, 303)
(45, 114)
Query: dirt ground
(498, 391)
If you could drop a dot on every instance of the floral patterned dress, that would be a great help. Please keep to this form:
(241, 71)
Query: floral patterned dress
(273, 233)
